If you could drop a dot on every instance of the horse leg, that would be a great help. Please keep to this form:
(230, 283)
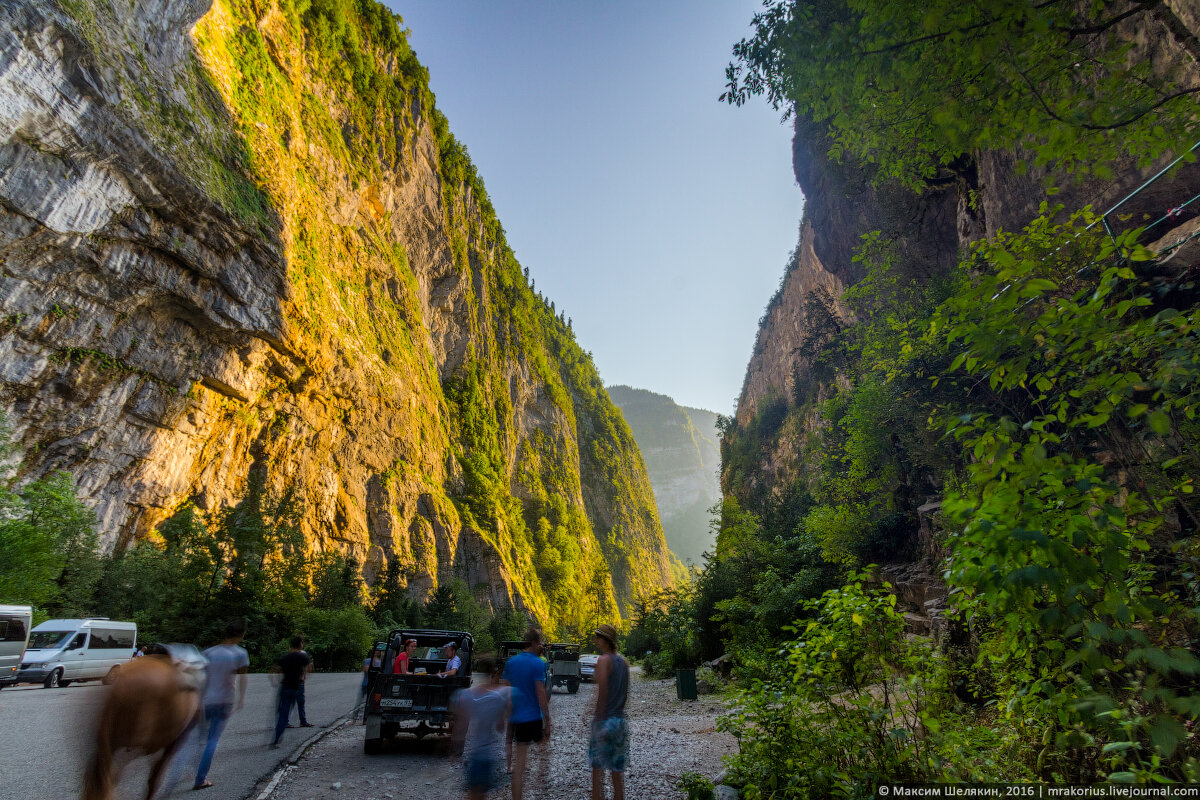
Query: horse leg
(98, 781)
(169, 754)
(156, 772)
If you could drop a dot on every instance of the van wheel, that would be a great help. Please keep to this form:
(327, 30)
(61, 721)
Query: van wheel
(53, 680)
(573, 685)
(110, 677)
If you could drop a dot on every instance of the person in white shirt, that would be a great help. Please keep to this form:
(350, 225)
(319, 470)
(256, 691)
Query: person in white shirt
(453, 662)
(482, 715)
(226, 669)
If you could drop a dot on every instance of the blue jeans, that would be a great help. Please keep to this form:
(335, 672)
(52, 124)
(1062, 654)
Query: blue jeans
(287, 699)
(300, 706)
(215, 718)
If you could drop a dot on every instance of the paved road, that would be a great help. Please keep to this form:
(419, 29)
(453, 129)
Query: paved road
(46, 735)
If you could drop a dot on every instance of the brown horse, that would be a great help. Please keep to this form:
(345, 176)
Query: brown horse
(149, 709)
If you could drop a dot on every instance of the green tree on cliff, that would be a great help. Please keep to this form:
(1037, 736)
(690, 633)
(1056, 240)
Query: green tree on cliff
(912, 89)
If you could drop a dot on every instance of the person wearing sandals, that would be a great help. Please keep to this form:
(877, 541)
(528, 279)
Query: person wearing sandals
(226, 668)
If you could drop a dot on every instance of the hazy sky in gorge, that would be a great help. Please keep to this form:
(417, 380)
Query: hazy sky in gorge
(657, 218)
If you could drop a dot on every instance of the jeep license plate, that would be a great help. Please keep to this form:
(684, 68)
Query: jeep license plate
(396, 702)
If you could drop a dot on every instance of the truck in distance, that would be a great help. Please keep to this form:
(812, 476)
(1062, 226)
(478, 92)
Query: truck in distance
(564, 666)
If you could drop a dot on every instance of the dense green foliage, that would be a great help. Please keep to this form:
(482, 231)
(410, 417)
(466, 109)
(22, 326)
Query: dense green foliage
(248, 561)
(913, 91)
(1049, 387)
(1044, 391)
(851, 703)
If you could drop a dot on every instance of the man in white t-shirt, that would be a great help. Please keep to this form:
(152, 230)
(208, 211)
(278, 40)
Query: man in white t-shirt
(453, 662)
(226, 672)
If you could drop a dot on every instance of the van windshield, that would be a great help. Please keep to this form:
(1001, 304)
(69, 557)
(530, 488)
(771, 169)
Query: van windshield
(45, 640)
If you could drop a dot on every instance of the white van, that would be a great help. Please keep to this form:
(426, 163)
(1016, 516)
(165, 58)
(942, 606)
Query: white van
(64, 650)
(15, 622)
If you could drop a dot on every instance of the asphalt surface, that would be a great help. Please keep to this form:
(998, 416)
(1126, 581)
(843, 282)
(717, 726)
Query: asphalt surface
(46, 739)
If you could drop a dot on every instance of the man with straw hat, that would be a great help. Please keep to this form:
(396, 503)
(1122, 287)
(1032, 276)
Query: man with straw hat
(609, 746)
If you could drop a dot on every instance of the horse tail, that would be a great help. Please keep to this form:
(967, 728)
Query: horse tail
(98, 783)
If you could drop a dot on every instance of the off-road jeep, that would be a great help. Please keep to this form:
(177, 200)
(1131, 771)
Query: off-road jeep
(418, 702)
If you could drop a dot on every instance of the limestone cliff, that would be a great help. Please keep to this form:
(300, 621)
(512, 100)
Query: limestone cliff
(683, 459)
(982, 193)
(239, 235)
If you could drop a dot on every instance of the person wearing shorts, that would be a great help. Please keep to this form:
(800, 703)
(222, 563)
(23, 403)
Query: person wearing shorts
(526, 674)
(608, 747)
(482, 713)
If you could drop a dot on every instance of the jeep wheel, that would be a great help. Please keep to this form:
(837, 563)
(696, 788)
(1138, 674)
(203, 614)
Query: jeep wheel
(573, 685)
(372, 747)
(53, 680)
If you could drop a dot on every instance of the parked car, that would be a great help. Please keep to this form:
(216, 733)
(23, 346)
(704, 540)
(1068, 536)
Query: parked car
(564, 666)
(587, 666)
(62, 651)
(15, 622)
(418, 702)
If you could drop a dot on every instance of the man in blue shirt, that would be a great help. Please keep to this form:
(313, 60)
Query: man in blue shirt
(526, 673)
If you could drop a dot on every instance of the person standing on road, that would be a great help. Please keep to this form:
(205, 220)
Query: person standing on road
(482, 715)
(294, 666)
(304, 723)
(609, 745)
(526, 673)
(226, 668)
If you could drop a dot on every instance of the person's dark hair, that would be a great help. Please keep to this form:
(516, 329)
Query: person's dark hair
(532, 636)
(235, 628)
(486, 664)
(297, 642)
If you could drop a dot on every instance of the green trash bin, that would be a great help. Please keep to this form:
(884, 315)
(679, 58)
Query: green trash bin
(685, 684)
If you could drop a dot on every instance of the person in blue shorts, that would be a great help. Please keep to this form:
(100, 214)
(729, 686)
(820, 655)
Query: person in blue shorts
(481, 715)
(609, 745)
(526, 674)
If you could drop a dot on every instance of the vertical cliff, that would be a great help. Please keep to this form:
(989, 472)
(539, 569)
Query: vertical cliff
(680, 447)
(772, 448)
(239, 235)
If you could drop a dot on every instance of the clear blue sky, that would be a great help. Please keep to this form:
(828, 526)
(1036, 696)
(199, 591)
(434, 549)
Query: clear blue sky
(657, 218)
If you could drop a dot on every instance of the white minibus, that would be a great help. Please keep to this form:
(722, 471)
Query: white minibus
(64, 650)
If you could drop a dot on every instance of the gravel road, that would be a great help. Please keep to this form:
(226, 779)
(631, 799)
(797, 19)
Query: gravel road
(667, 737)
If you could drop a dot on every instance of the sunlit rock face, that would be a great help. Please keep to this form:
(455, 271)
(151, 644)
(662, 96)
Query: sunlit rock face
(196, 285)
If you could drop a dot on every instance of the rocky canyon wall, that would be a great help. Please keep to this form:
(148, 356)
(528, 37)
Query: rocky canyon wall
(236, 236)
(983, 193)
(679, 445)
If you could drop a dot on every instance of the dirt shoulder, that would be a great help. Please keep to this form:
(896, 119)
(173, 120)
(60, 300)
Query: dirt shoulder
(667, 738)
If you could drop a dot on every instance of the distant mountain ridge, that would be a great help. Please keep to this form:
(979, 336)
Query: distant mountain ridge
(682, 452)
